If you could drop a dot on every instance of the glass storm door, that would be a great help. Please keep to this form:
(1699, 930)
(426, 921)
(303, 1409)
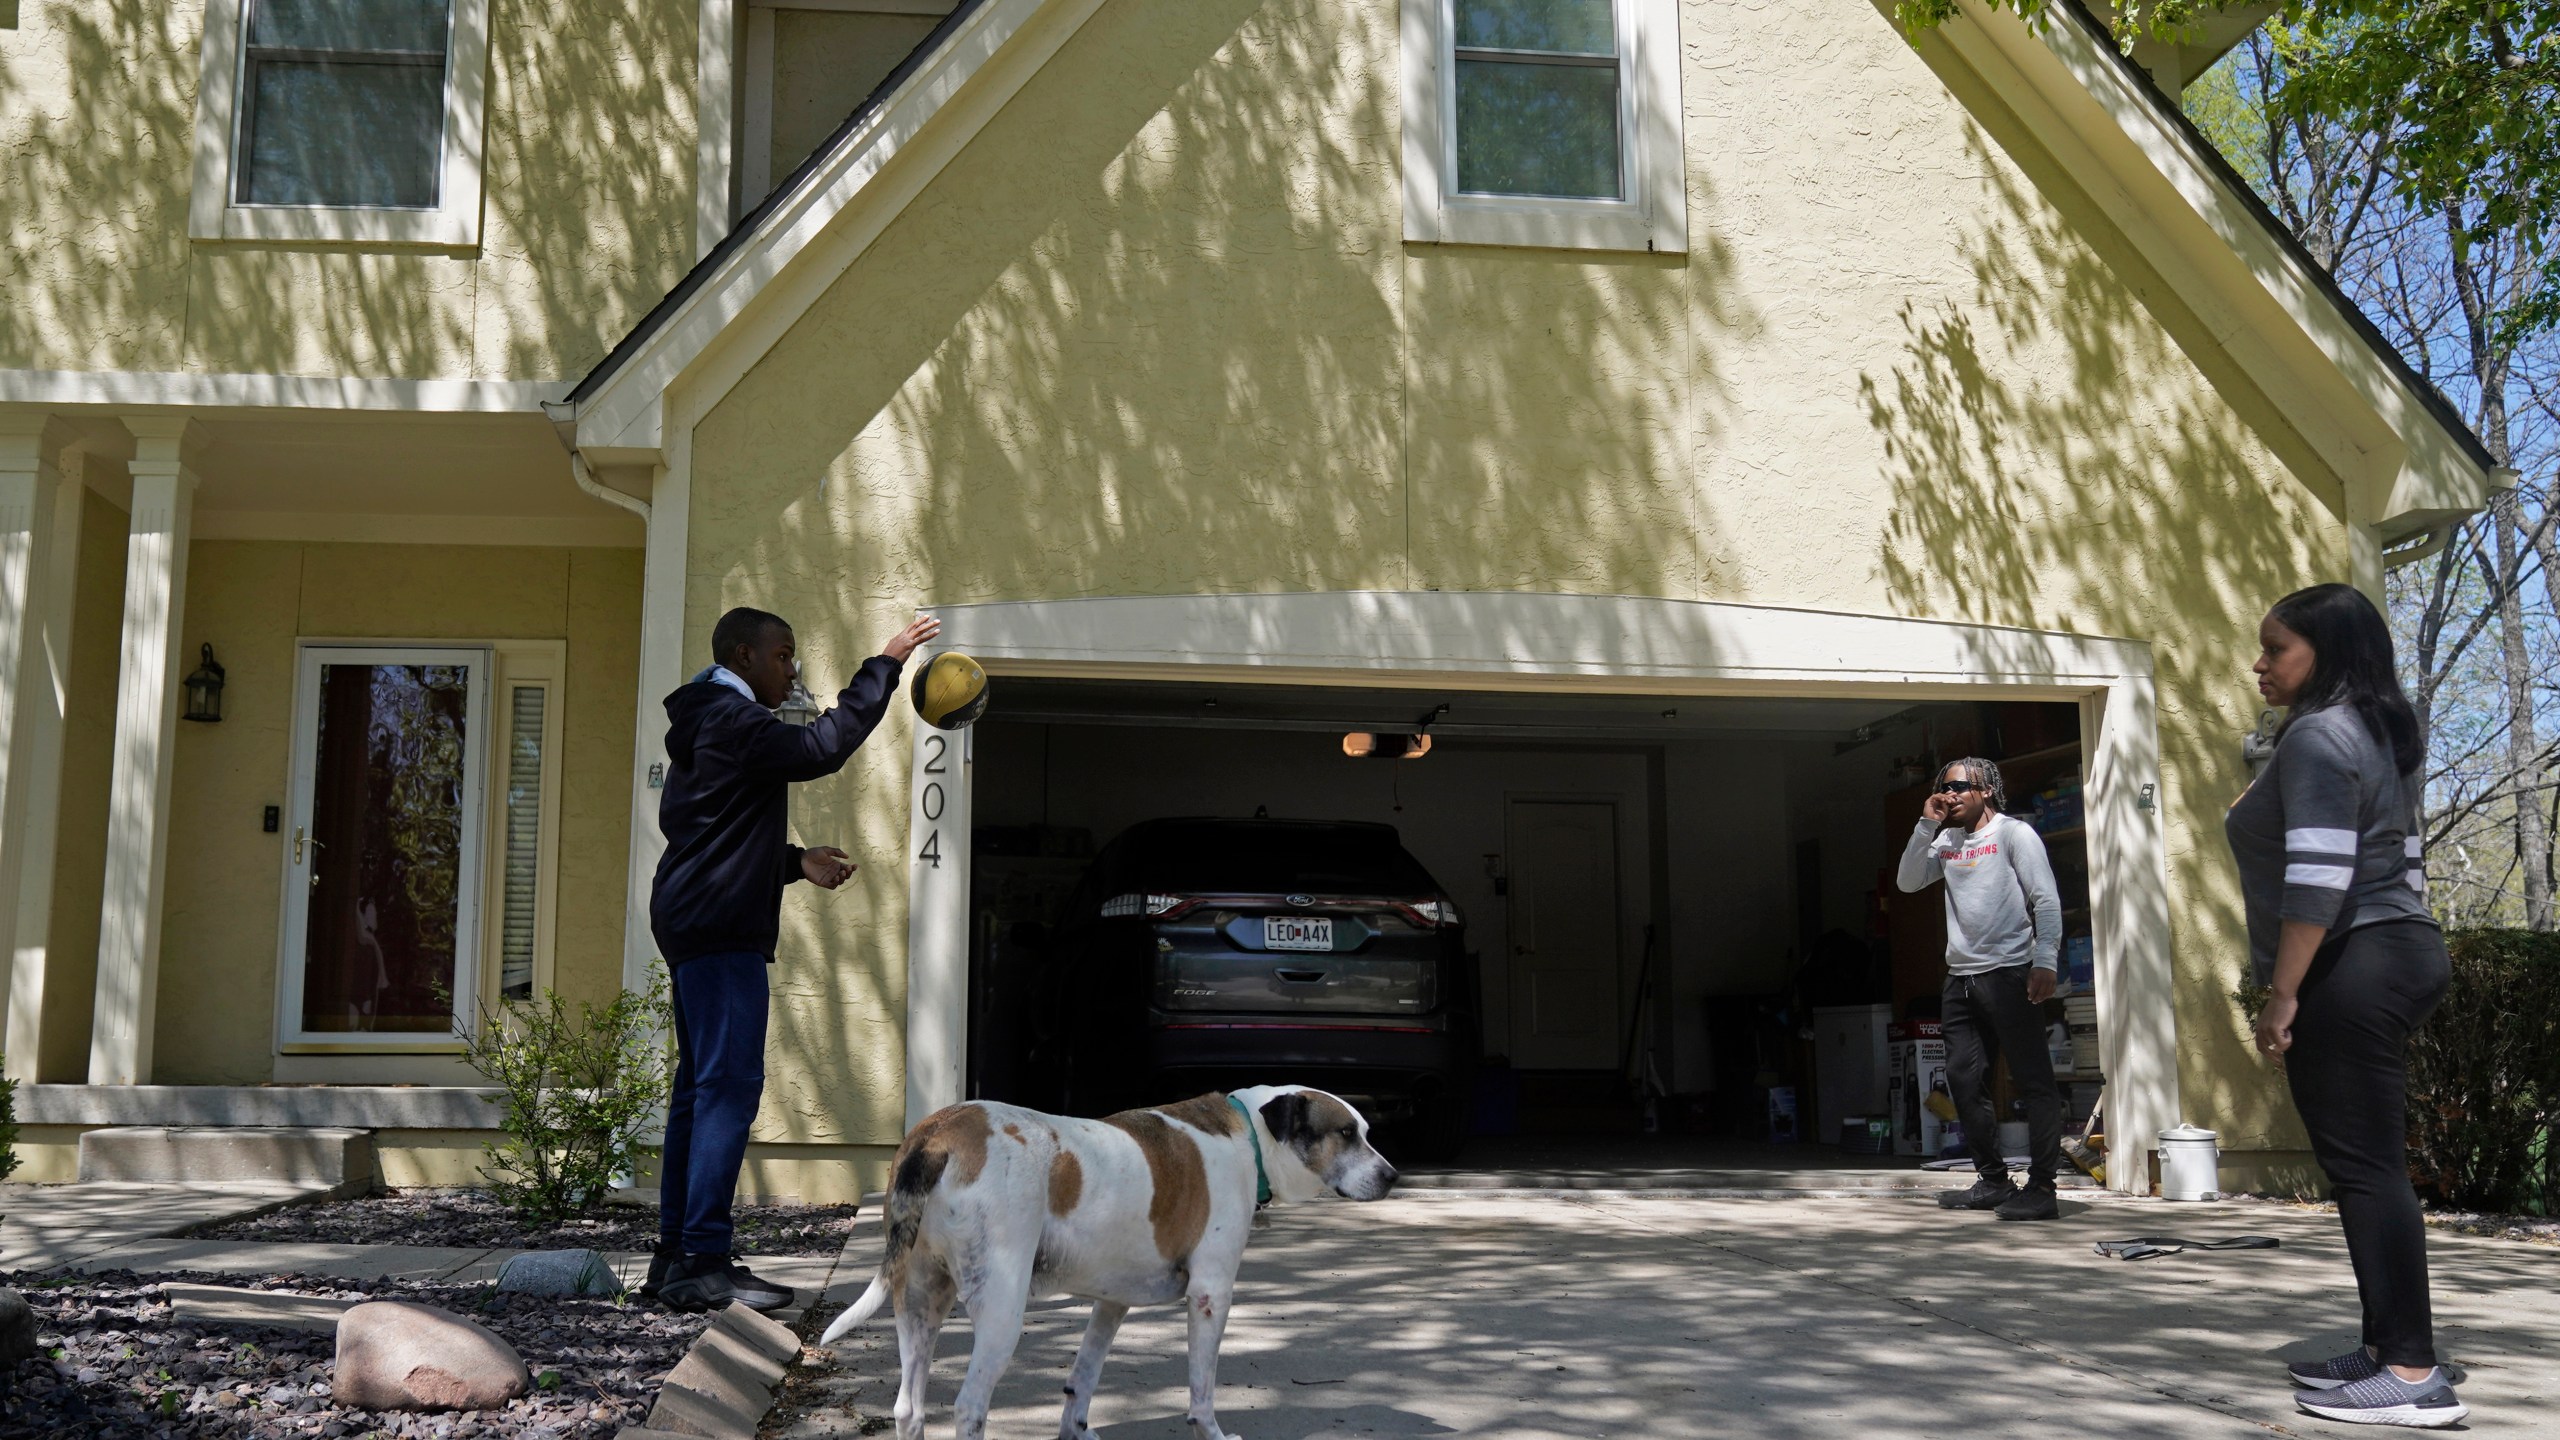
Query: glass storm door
(383, 861)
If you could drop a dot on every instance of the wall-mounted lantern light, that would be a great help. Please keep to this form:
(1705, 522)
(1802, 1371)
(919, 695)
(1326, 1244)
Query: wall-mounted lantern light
(799, 707)
(2259, 745)
(204, 689)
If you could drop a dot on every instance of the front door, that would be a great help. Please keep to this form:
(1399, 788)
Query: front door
(382, 880)
(1564, 934)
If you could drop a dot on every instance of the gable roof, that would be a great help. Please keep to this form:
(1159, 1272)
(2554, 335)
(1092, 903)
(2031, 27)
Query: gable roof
(781, 196)
(2378, 423)
(2175, 116)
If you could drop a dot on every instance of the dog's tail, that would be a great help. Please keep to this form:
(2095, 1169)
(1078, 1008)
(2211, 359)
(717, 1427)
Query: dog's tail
(917, 1169)
(861, 1310)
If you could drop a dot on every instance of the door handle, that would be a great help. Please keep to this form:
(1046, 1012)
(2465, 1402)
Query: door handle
(298, 840)
(1302, 977)
(316, 847)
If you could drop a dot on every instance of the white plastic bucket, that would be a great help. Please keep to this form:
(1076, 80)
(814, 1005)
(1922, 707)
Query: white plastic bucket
(2190, 1164)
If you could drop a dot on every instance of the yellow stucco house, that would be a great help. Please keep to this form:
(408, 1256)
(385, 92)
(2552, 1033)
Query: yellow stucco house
(1693, 413)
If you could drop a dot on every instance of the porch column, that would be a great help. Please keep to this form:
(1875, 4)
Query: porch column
(40, 494)
(153, 651)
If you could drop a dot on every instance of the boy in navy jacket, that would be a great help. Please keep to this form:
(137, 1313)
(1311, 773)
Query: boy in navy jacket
(715, 908)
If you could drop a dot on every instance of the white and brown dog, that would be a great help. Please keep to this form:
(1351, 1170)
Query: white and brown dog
(992, 1204)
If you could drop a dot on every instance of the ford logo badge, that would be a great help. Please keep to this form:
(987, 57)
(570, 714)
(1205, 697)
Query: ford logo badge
(1302, 899)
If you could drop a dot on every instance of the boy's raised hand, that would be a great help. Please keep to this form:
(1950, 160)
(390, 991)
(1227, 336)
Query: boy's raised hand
(825, 866)
(905, 642)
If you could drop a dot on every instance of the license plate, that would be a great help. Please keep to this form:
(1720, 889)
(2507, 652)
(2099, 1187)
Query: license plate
(1291, 932)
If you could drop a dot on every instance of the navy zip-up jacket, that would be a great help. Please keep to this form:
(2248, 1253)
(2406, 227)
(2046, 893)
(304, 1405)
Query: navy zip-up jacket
(726, 808)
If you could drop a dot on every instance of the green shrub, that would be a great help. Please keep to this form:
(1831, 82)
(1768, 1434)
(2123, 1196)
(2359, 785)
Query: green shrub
(8, 1127)
(2484, 1076)
(580, 1093)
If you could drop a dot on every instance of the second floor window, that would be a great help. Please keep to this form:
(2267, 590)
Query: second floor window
(342, 103)
(1538, 98)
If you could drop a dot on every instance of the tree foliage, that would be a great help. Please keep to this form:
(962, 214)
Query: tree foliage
(2461, 96)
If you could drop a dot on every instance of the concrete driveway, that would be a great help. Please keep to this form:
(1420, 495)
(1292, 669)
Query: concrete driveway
(1669, 1316)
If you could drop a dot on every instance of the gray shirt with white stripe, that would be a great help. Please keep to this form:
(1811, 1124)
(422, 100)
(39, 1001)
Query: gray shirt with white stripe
(2002, 908)
(2327, 834)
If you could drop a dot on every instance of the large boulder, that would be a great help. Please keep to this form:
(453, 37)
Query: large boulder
(17, 1329)
(395, 1355)
(558, 1272)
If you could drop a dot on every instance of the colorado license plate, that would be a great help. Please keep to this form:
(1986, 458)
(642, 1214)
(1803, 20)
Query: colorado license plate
(1290, 932)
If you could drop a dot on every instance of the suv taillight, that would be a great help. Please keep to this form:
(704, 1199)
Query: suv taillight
(1153, 906)
(1432, 913)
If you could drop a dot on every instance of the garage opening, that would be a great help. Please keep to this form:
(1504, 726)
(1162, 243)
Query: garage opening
(1639, 926)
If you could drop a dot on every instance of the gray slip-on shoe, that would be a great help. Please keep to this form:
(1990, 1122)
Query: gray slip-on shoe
(2338, 1370)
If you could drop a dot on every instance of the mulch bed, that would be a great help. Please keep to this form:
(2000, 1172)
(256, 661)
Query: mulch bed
(471, 1218)
(113, 1366)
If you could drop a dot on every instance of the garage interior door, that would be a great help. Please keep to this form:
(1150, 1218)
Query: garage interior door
(1657, 894)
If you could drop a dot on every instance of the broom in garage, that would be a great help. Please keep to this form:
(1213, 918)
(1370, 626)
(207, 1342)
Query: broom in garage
(1643, 1081)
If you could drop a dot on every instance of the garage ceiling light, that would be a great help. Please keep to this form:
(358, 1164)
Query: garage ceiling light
(1363, 745)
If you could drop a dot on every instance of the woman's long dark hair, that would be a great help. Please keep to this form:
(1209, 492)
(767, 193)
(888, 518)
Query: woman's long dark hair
(2351, 665)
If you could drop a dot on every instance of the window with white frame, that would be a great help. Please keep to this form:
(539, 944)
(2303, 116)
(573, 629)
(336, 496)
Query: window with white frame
(346, 120)
(1544, 122)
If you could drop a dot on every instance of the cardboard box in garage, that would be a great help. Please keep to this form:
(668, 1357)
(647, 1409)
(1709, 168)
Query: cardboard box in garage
(1916, 1067)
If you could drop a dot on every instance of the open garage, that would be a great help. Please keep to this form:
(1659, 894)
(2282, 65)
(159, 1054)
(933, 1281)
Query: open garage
(1660, 836)
(1679, 912)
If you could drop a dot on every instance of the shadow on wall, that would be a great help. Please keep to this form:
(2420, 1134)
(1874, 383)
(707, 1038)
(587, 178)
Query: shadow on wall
(587, 218)
(2155, 522)
(1155, 332)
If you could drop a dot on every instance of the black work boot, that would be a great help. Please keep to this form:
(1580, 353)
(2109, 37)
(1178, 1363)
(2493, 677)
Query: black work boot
(2036, 1202)
(660, 1258)
(1985, 1195)
(713, 1282)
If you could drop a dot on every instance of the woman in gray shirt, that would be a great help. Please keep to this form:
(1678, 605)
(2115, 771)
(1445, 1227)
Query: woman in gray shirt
(2332, 881)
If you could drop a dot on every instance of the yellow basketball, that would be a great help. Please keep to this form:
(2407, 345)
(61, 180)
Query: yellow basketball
(950, 692)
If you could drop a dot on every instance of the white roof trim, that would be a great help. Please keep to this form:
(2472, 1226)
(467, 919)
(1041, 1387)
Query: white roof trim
(2404, 467)
(996, 49)
(132, 388)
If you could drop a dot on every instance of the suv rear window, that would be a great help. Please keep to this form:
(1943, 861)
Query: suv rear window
(1275, 859)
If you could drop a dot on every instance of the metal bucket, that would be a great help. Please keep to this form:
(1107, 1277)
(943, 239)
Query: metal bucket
(2190, 1164)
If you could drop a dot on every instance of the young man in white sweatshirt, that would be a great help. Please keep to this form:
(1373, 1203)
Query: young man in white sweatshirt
(2004, 942)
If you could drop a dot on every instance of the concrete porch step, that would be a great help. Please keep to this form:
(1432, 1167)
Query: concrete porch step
(339, 1159)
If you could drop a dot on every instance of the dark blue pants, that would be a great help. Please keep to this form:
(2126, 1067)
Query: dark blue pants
(720, 1003)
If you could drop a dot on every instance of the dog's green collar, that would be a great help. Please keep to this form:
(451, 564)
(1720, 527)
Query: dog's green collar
(1261, 1177)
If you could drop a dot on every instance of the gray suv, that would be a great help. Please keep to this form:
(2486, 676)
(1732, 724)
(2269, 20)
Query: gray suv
(1202, 954)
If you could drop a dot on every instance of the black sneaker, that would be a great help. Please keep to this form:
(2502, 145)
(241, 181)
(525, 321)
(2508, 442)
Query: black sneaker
(2383, 1398)
(1985, 1195)
(659, 1259)
(714, 1282)
(2036, 1202)
(2329, 1374)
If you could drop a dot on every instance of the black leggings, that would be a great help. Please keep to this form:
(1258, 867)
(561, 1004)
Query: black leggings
(2349, 1068)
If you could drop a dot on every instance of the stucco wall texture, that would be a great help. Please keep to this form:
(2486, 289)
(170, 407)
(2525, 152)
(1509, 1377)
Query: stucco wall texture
(1156, 332)
(251, 599)
(97, 146)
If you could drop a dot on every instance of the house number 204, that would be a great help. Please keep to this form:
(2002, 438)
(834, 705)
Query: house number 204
(931, 801)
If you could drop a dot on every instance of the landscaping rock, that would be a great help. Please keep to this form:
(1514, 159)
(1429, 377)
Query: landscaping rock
(17, 1328)
(394, 1355)
(559, 1272)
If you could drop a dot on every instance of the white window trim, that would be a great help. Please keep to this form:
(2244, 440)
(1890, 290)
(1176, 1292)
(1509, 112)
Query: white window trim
(309, 654)
(1654, 215)
(522, 664)
(453, 224)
